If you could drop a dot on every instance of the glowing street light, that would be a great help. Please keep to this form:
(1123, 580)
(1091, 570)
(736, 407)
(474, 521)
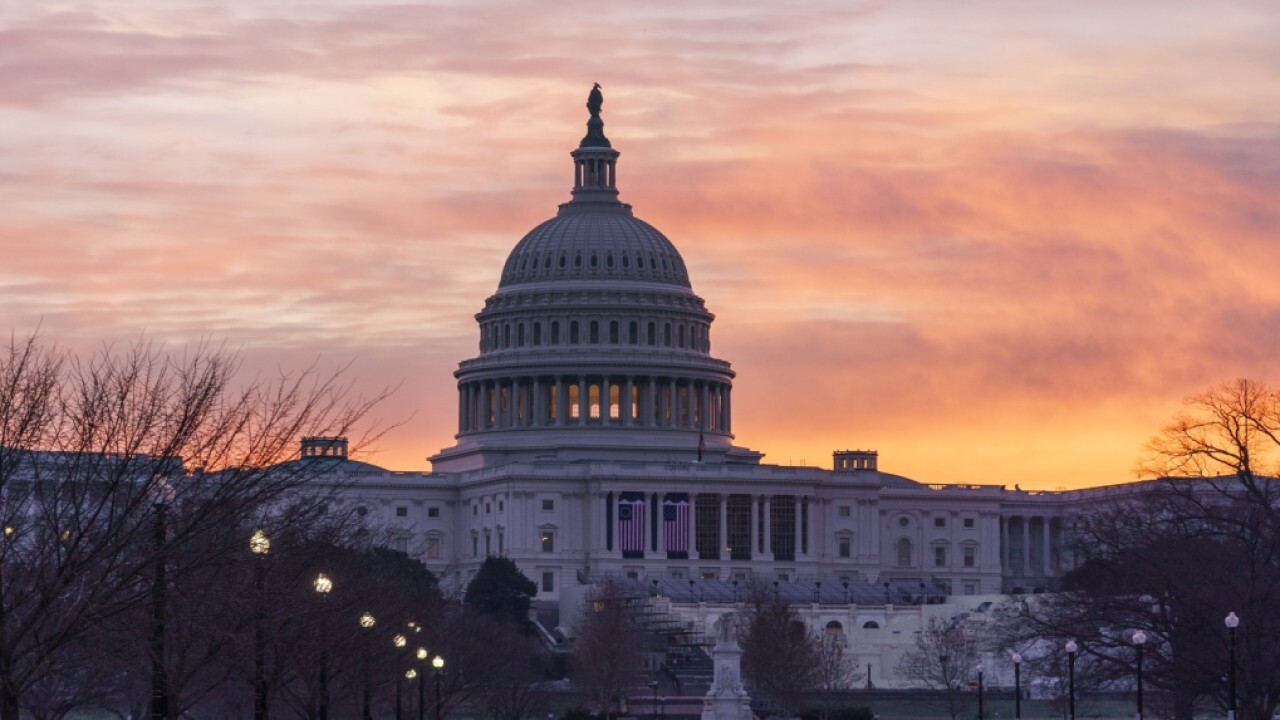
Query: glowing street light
(1071, 648)
(1139, 639)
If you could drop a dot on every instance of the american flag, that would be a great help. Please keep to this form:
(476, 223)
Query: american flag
(675, 523)
(631, 522)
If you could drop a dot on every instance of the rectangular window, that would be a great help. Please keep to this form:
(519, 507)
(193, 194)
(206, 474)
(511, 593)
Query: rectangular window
(488, 544)
(844, 511)
(548, 581)
(475, 546)
(940, 556)
(402, 511)
(433, 548)
(970, 588)
(501, 543)
(939, 522)
(548, 504)
(433, 512)
(970, 556)
(501, 506)
(968, 522)
(844, 545)
(475, 510)
(548, 541)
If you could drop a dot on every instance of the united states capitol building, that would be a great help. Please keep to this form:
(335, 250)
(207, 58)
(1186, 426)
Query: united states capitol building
(595, 437)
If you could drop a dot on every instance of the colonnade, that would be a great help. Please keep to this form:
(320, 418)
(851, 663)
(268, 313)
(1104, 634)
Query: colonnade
(773, 527)
(1030, 545)
(594, 400)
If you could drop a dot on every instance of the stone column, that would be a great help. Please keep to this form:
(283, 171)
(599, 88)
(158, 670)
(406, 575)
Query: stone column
(768, 527)
(584, 400)
(693, 530)
(728, 409)
(660, 536)
(624, 399)
(605, 416)
(755, 525)
(799, 527)
(724, 526)
(1026, 546)
(704, 407)
(538, 406)
(1004, 545)
(1044, 522)
(562, 401)
(649, 412)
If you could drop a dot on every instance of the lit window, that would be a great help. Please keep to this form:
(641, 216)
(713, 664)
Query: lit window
(548, 541)
(433, 548)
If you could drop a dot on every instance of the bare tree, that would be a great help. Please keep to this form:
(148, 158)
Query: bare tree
(607, 647)
(115, 465)
(943, 659)
(782, 661)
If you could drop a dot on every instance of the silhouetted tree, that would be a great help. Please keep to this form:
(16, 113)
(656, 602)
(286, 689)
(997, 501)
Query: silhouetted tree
(608, 655)
(942, 658)
(501, 590)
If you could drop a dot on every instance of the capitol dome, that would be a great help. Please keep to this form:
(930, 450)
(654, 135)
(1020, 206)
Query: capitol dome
(594, 346)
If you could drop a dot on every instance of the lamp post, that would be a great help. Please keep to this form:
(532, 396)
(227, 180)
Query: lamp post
(1071, 679)
(980, 691)
(422, 654)
(367, 621)
(1139, 639)
(1017, 686)
(409, 675)
(159, 676)
(399, 641)
(437, 663)
(1231, 622)
(323, 586)
(259, 545)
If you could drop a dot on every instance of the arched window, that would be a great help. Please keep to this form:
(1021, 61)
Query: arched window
(608, 260)
(577, 260)
(613, 332)
(573, 332)
(537, 333)
(682, 334)
(506, 335)
(871, 625)
(615, 398)
(834, 628)
(593, 401)
(634, 333)
(563, 260)
(555, 332)
(666, 335)
(595, 332)
(626, 260)
(520, 335)
(904, 552)
(653, 334)
(574, 401)
(595, 260)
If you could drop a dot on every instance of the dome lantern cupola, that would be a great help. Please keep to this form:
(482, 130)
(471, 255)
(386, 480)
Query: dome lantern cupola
(595, 162)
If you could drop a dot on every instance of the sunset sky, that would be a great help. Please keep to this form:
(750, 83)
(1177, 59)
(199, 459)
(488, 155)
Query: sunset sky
(997, 240)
